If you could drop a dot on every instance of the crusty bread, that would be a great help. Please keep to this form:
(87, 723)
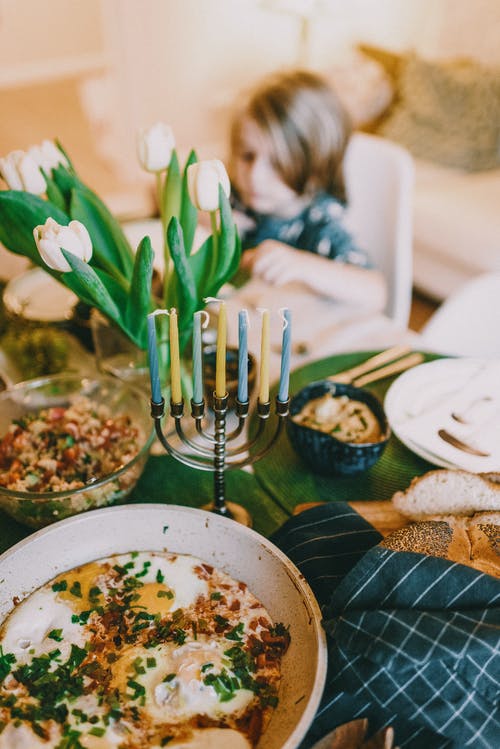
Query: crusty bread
(474, 541)
(447, 491)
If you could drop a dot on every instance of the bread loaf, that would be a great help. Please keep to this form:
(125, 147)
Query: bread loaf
(447, 491)
(474, 541)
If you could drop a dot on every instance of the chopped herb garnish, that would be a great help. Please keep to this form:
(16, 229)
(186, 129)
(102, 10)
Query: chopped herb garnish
(55, 634)
(138, 667)
(96, 731)
(139, 689)
(179, 636)
(63, 585)
(6, 661)
(76, 589)
(235, 633)
(165, 594)
(145, 569)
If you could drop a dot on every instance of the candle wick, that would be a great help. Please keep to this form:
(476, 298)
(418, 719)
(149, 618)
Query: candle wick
(159, 312)
(205, 318)
(281, 313)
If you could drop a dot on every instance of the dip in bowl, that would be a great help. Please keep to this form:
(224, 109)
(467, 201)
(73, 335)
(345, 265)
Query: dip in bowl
(337, 429)
(68, 444)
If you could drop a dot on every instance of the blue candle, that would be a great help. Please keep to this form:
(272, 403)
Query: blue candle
(285, 355)
(197, 360)
(243, 356)
(153, 360)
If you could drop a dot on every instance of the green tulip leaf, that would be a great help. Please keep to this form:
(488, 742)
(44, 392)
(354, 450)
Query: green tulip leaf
(20, 212)
(172, 191)
(229, 248)
(199, 262)
(111, 249)
(66, 180)
(186, 286)
(188, 213)
(94, 288)
(64, 153)
(109, 241)
(54, 194)
(139, 297)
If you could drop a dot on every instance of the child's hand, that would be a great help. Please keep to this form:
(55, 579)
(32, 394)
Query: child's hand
(278, 263)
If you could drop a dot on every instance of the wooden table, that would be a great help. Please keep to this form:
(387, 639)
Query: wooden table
(381, 515)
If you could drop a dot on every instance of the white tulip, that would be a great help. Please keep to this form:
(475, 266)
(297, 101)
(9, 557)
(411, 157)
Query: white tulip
(204, 178)
(21, 172)
(51, 238)
(155, 146)
(48, 156)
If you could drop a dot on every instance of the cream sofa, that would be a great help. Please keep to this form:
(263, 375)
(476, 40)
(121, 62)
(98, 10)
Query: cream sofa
(445, 110)
(456, 227)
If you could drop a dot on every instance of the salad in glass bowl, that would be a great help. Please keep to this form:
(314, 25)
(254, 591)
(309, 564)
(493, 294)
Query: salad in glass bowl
(70, 443)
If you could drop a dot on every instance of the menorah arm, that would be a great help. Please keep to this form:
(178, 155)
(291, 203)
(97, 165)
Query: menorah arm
(188, 460)
(250, 443)
(200, 449)
(263, 411)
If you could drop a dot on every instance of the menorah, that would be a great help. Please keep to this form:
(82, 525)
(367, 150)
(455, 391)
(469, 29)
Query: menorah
(214, 450)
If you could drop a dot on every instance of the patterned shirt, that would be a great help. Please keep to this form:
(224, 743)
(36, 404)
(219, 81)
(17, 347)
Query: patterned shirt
(317, 228)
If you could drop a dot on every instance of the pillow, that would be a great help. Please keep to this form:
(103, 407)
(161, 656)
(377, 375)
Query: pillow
(363, 87)
(448, 112)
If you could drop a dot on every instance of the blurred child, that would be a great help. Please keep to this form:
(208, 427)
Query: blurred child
(287, 147)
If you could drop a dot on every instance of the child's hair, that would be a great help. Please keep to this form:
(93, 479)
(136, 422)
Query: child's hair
(307, 128)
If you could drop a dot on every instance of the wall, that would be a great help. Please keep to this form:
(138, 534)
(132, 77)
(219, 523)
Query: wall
(100, 69)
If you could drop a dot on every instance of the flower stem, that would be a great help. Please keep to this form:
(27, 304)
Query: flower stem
(215, 242)
(160, 188)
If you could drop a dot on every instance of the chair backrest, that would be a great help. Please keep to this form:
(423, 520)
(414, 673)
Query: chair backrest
(468, 322)
(379, 179)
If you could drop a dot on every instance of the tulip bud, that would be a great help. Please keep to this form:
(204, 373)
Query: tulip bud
(21, 172)
(204, 178)
(51, 238)
(155, 146)
(47, 156)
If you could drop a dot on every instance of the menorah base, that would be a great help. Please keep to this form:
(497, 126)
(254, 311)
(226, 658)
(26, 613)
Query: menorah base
(233, 511)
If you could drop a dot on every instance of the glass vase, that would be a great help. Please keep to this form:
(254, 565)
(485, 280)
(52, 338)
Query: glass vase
(117, 355)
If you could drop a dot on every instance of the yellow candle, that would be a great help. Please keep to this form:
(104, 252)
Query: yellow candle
(220, 361)
(175, 361)
(264, 358)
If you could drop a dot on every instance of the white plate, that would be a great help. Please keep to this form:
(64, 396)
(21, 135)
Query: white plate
(37, 296)
(421, 401)
(239, 551)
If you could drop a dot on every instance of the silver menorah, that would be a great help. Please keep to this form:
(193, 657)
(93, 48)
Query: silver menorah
(211, 452)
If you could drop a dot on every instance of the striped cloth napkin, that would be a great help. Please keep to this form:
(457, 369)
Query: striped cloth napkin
(414, 641)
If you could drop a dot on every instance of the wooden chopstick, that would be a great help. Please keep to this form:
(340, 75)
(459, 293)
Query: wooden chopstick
(348, 375)
(391, 369)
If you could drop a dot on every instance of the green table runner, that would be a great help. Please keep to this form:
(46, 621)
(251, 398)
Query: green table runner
(284, 475)
(166, 480)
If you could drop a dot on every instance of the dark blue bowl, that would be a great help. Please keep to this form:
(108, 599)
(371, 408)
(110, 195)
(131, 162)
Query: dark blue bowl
(323, 452)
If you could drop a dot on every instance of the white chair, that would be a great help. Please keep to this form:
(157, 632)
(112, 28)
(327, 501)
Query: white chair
(468, 322)
(379, 179)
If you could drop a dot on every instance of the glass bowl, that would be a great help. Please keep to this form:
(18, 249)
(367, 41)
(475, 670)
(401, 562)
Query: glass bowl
(40, 508)
(323, 452)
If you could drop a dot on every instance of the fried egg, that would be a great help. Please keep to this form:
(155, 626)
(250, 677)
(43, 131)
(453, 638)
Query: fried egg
(145, 649)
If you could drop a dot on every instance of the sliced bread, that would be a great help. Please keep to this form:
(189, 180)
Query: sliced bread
(473, 541)
(449, 492)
